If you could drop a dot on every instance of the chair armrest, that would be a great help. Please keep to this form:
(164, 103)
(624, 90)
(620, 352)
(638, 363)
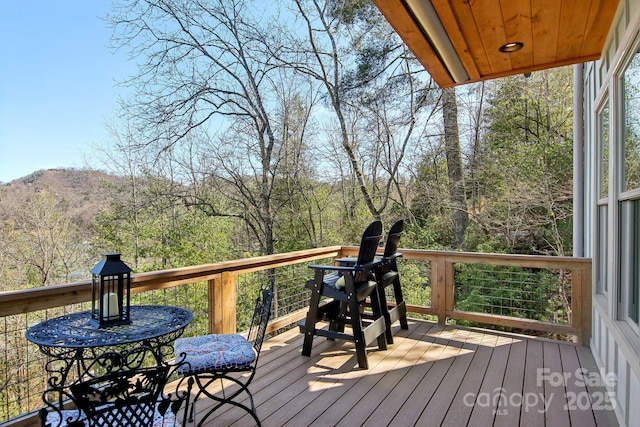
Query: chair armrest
(346, 261)
(359, 267)
(371, 264)
(396, 255)
(336, 267)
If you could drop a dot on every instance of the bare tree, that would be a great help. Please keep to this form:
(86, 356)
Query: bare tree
(123, 158)
(372, 88)
(41, 241)
(457, 194)
(472, 103)
(204, 65)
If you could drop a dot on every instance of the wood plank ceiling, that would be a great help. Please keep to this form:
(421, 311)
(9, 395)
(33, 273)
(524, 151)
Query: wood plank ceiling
(552, 32)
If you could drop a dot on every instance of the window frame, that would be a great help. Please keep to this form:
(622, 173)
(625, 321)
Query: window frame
(626, 230)
(602, 246)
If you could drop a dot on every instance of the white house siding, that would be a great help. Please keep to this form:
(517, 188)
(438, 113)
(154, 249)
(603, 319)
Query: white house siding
(615, 346)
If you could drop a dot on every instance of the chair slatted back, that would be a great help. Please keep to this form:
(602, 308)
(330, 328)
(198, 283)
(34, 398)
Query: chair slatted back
(260, 319)
(391, 249)
(368, 247)
(122, 398)
(393, 239)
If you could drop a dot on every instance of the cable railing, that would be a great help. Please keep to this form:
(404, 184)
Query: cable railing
(535, 294)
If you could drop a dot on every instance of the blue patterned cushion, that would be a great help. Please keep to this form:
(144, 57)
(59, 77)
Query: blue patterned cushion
(166, 420)
(215, 351)
(59, 419)
(334, 280)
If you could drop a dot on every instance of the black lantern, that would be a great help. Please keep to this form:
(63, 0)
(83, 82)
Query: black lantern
(110, 292)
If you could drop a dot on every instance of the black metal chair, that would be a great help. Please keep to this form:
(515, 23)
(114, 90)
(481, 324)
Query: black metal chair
(127, 393)
(387, 274)
(347, 288)
(226, 357)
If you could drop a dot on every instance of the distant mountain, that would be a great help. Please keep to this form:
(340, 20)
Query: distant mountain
(84, 190)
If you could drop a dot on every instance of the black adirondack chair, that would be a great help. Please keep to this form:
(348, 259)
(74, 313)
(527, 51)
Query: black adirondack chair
(387, 274)
(229, 357)
(347, 289)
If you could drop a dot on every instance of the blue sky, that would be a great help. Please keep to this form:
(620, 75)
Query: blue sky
(57, 83)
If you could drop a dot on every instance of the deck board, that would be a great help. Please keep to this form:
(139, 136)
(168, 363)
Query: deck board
(389, 407)
(433, 375)
(580, 415)
(555, 391)
(436, 362)
(602, 414)
(471, 382)
(512, 385)
(443, 397)
(533, 397)
(483, 413)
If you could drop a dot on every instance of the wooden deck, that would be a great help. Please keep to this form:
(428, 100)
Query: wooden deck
(433, 375)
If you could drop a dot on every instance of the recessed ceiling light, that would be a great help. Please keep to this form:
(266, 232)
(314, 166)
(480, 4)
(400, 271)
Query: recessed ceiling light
(511, 47)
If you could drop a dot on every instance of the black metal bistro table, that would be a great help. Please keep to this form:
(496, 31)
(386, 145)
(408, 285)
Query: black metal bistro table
(73, 345)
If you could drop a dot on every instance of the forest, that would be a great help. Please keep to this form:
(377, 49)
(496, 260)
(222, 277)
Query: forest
(265, 128)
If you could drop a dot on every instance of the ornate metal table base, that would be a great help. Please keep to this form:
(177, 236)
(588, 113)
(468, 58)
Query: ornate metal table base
(77, 349)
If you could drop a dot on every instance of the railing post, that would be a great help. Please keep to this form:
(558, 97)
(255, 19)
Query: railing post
(586, 304)
(581, 303)
(449, 283)
(222, 304)
(577, 294)
(438, 288)
(212, 284)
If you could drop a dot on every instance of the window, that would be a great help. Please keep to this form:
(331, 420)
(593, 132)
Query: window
(603, 152)
(629, 195)
(602, 220)
(603, 251)
(631, 106)
(629, 259)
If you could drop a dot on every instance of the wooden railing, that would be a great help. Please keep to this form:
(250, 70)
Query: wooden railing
(440, 268)
(443, 281)
(221, 278)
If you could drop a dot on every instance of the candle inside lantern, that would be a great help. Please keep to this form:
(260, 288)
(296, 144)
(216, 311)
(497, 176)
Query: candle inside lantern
(110, 305)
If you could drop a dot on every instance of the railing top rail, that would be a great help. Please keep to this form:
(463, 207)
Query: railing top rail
(28, 300)
(542, 261)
